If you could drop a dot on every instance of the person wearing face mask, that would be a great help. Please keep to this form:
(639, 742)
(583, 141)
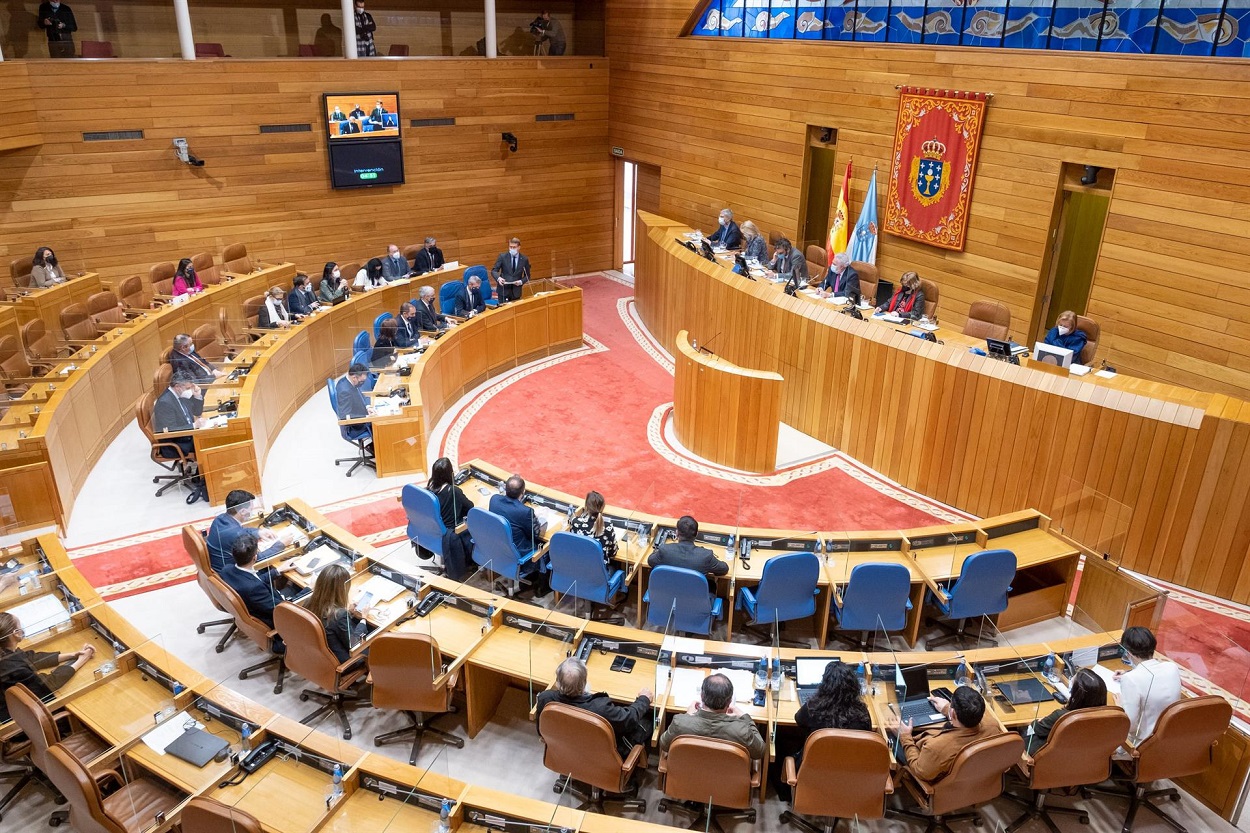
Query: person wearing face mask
(186, 282)
(908, 301)
(23, 667)
(1065, 334)
(369, 276)
(1150, 686)
(428, 258)
(228, 526)
(273, 314)
(394, 265)
(184, 359)
(788, 263)
(350, 403)
(429, 319)
(44, 270)
(406, 334)
(177, 410)
(345, 125)
(728, 236)
(333, 288)
(365, 27)
(57, 21)
(301, 302)
(511, 272)
(469, 301)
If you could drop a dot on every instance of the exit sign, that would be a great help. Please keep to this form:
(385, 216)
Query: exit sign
(618, 151)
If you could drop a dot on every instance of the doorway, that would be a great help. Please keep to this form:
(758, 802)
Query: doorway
(817, 195)
(637, 187)
(1077, 225)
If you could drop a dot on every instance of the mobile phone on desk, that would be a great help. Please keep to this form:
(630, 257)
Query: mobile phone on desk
(623, 664)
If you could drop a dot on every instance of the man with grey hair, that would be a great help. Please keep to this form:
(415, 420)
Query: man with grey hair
(184, 359)
(841, 281)
(429, 319)
(428, 258)
(394, 265)
(714, 715)
(728, 235)
(631, 724)
(469, 301)
(177, 411)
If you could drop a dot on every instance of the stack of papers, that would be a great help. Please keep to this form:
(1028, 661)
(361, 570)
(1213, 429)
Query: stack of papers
(1079, 369)
(1105, 374)
(218, 421)
(317, 559)
(380, 588)
(388, 407)
(41, 614)
(451, 264)
(889, 316)
(168, 731)
(926, 326)
(1108, 677)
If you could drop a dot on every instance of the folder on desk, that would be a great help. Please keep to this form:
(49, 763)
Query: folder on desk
(196, 747)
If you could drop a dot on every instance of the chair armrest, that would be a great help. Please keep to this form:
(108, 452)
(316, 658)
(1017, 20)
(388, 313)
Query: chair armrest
(629, 764)
(540, 552)
(757, 772)
(662, 766)
(788, 773)
(109, 776)
(889, 784)
(81, 342)
(837, 595)
(365, 420)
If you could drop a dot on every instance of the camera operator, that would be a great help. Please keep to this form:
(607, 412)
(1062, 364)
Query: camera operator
(547, 29)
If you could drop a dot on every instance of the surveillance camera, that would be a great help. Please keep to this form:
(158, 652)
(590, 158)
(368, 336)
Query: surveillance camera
(1091, 175)
(184, 154)
(511, 139)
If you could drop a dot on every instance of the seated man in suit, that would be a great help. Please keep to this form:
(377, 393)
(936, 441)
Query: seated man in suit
(428, 258)
(228, 526)
(302, 301)
(714, 715)
(429, 319)
(685, 554)
(183, 358)
(406, 332)
(631, 724)
(345, 126)
(511, 272)
(728, 236)
(526, 529)
(788, 263)
(469, 301)
(394, 265)
(350, 403)
(930, 752)
(178, 410)
(841, 281)
(257, 589)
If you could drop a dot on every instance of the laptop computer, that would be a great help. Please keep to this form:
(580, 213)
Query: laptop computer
(1024, 691)
(196, 747)
(808, 672)
(912, 687)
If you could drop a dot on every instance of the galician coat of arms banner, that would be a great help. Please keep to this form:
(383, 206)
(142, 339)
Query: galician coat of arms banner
(936, 142)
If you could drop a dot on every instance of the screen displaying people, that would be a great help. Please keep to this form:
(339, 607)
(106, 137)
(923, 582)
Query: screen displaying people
(361, 115)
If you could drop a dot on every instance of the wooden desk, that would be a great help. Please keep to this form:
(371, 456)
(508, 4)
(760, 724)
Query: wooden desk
(284, 795)
(725, 413)
(46, 304)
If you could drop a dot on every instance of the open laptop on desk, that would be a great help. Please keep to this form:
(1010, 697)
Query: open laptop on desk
(911, 685)
(808, 672)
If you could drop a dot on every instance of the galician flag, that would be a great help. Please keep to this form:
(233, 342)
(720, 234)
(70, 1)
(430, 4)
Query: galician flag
(864, 237)
(841, 217)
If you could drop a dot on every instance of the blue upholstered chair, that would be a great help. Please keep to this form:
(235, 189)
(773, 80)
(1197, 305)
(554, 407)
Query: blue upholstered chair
(981, 590)
(361, 342)
(578, 570)
(494, 551)
(684, 593)
(488, 295)
(377, 324)
(425, 523)
(363, 357)
(787, 590)
(877, 597)
(358, 435)
(447, 296)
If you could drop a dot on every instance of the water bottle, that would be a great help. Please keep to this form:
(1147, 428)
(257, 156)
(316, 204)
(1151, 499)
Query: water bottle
(761, 676)
(1048, 667)
(179, 688)
(863, 683)
(444, 817)
(245, 743)
(775, 679)
(338, 783)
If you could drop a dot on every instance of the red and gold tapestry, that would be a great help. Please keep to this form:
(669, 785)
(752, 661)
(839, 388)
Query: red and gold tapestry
(936, 142)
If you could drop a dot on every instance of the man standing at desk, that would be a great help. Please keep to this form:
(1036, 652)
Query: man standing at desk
(714, 715)
(524, 524)
(511, 271)
(728, 236)
(228, 526)
(176, 411)
(685, 554)
(630, 724)
(185, 359)
(841, 281)
(930, 753)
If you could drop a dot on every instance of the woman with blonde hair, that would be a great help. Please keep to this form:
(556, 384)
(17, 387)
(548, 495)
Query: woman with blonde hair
(756, 247)
(908, 301)
(589, 521)
(343, 623)
(23, 667)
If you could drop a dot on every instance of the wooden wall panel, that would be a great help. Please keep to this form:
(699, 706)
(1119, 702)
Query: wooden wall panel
(732, 130)
(1156, 477)
(20, 127)
(124, 205)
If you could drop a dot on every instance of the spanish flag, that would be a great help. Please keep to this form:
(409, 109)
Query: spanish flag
(841, 218)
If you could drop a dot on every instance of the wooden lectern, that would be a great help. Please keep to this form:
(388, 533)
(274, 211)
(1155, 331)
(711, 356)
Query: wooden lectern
(728, 414)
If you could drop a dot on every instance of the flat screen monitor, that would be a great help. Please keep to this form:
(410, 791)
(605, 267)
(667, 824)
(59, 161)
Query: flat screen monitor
(359, 116)
(885, 291)
(1058, 356)
(366, 164)
(997, 347)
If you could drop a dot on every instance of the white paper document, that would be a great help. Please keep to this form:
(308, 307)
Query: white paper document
(41, 614)
(168, 731)
(1108, 677)
(687, 686)
(381, 588)
(744, 683)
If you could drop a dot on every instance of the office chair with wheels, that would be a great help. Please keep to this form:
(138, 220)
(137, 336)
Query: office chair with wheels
(230, 338)
(1093, 331)
(77, 327)
(130, 293)
(425, 523)
(877, 597)
(447, 294)
(261, 635)
(308, 655)
(488, 295)
(235, 260)
(206, 815)
(857, 762)
(206, 270)
(161, 279)
(43, 729)
(361, 343)
(495, 552)
(16, 753)
(698, 772)
(1077, 753)
(208, 344)
(42, 350)
(107, 312)
(787, 591)
(981, 590)
(358, 435)
(578, 570)
(129, 808)
(580, 747)
(975, 778)
(406, 670)
(930, 290)
(180, 464)
(193, 543)
(377, 328)
(683, 594)
(1183, 744)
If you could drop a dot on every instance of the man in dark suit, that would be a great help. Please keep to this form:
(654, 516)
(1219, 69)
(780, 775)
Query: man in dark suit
(685, 554)
(184, 359)
(429, 319)
(406, 334)
(350, 402)
(428, 258)
(228, 526)
(511, 271)
(788, 263)
(525, 526)
(469, 301)
(301, 302)
(57, 20)
(630, 724)
(255, 588)
(178, 410)
(841, 280)
(728, 235)
(378, 116)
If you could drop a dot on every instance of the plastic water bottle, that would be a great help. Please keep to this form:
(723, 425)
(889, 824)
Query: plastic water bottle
(1048, 667)
(863, 683)
(245, 742)
(775, 678)
(338, 783)
(179, 688)
(444, 817)
(761, 676)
